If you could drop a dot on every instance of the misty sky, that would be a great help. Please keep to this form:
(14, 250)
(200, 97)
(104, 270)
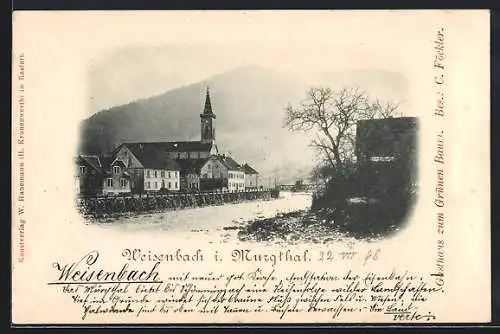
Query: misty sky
(129, 73)
(126, 61)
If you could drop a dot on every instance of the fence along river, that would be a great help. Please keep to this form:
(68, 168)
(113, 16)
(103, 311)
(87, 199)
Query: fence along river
(100, 207)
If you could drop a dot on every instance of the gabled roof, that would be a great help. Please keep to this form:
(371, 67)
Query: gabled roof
(106, 161)
(118, 162)
(249, 170)
(91, 160)
(230, 163)
(188, 165)
(172, 146)
(153, 157)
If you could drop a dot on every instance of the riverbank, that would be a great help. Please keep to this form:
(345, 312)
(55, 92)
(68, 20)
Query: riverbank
(287, 219)
(116, 206)
(209, 224)
(368, 222)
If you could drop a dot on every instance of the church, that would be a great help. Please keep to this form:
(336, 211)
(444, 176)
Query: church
(180, 165)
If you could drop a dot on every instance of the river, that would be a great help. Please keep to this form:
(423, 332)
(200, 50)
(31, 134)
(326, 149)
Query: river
(215, 224)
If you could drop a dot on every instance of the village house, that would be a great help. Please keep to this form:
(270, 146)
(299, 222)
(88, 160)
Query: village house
(163, 176)
(235, 175)
(117, 178)
(89, 175)
(148, 169)
(251, 177)
(221, 172)
(190, 173)
(213, 174)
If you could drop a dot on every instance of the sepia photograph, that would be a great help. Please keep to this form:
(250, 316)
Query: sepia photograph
(283, 155)
(250, 167)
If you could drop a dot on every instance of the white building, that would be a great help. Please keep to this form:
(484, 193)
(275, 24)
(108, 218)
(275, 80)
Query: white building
(149, 168)
(222, 172)
(251, 177)
(158, 178)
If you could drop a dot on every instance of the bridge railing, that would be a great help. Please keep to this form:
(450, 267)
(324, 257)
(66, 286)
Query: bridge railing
(294, 187)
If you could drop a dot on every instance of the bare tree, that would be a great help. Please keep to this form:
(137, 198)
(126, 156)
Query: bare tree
(332, 115)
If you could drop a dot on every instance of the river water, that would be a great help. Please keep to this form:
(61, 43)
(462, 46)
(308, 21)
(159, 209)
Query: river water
(215, 224)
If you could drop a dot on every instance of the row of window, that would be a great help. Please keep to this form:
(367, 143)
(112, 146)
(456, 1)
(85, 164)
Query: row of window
(210, 167)
(116, 170)
(161, 173)
(110, 181)
(214, 176)
(235, 175)
(221, 175)
(189, 155)
(235, 185)
(157, 185)
(175, 174)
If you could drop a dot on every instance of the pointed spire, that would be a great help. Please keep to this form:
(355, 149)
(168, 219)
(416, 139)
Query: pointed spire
(208, 104)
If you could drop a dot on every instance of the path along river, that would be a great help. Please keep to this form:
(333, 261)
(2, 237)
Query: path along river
(209, 223)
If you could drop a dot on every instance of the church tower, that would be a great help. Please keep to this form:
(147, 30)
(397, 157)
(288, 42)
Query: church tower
(207, 121)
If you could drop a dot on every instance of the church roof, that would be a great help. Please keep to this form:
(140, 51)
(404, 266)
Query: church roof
(191, 164)
(152, 156)
(171, 146)
(249, 170)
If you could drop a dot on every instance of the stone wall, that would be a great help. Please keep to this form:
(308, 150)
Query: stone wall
(98, 207)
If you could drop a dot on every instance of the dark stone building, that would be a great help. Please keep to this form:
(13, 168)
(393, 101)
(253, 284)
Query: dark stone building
(386, 152)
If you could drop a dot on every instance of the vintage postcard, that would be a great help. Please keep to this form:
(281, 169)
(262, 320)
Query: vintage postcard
(228, 167)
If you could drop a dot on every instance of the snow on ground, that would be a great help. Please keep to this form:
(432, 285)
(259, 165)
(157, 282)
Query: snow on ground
(217, 224)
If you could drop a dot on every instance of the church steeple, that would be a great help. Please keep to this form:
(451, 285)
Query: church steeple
(208, 104)
(207, 121)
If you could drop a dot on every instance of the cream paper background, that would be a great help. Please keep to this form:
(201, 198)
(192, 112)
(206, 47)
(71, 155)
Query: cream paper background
(58, 47)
